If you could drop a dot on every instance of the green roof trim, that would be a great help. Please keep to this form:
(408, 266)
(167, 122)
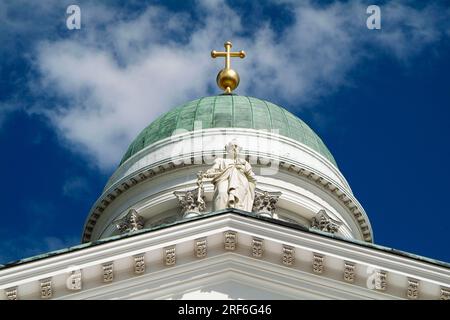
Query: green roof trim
(229, 111)
(219, 213)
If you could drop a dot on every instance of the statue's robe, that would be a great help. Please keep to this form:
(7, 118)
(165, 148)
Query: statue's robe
(234, 184)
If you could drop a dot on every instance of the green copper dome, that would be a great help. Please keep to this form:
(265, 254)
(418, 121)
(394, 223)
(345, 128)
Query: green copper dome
(229, 111)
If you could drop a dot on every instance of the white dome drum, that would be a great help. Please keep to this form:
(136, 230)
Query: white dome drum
(297, 179)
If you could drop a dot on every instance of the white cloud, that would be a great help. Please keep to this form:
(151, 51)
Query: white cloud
(125, 72)
(406, 31)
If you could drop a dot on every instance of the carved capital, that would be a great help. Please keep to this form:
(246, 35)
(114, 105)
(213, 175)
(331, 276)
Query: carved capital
(192, 202)
(323, 222)
(131, 222)
(264, 202)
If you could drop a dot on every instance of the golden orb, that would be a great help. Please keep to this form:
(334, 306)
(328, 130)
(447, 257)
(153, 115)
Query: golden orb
(228, 79)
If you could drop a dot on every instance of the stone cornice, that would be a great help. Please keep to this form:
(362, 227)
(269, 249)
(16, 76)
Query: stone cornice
(322, 253)
(205, 133)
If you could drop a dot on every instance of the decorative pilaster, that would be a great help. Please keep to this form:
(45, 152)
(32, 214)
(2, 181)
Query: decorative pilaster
(349, 271)
(108, 272)
(131, 222)
(257, 247)
(170, 256)
(139, 264)
(46, 288)
(11, 293)
(288, 258)
(73, 282)
(264, 203)
(413, 289)
(318, 263)
(201, 249)
(230, 241)
(323, 222)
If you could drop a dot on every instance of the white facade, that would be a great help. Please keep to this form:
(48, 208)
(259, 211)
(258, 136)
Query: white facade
(220, 256)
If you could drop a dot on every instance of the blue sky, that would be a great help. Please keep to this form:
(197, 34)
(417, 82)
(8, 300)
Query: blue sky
(72, 101)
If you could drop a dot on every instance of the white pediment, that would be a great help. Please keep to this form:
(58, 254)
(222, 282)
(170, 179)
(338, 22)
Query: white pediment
(228, 255)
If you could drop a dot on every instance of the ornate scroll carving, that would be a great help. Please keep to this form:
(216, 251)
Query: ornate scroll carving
(381, 280)
(131, 222)
(349, 271)
(11, 293)
(264, 203)
(318, 263)
(445, 293)
(73, 282)
(323, 222)
(257, 247)
(201, 249)
(413, 289)
(46, 289)
(288, 255)
(170, 256)
(192, 202)
(108, 272)
(139, 264)
(230, 241)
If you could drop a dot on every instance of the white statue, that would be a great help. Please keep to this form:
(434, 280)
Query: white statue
(233, 179)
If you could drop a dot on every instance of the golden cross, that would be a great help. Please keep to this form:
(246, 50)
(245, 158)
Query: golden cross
(227, 54)
(228, 79)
